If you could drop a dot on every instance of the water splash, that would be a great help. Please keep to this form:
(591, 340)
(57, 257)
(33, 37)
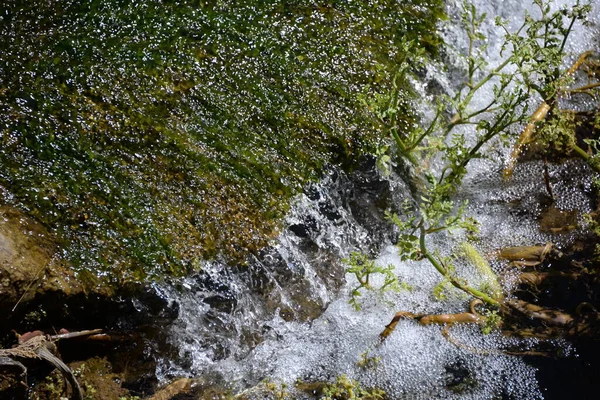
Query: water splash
(416, 362)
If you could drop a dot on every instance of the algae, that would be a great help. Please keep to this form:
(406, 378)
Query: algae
(149, 136)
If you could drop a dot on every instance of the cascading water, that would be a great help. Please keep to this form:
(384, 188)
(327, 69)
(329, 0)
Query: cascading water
(286, 316)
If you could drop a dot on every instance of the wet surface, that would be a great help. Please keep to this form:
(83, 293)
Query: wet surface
(149, 137)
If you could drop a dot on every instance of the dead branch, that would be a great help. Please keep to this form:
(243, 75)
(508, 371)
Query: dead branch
(37, 345)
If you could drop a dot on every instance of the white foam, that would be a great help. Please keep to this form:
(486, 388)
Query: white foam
(417, 362)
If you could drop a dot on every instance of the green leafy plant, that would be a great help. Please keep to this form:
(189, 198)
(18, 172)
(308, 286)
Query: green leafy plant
(492, 321)
(278, 390)
(532, 65)
(347, 389)
(368, 362)
(363, 268)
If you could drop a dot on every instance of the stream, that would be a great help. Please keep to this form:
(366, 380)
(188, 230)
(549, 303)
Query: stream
(286, 316)
(221, 154)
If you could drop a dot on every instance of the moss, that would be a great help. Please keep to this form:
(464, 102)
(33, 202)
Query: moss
(95, 377)
(149, 137)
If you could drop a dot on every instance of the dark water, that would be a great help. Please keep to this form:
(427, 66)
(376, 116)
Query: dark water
(150, 135)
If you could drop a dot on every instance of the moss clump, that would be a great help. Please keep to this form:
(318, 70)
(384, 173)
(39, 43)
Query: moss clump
(149, 137)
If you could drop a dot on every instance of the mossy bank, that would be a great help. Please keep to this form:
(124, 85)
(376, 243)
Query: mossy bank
(148, 137)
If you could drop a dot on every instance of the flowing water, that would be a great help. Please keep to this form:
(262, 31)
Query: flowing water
(240, 326)
(146, 137)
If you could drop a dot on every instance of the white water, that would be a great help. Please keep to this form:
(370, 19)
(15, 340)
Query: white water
(252, 333)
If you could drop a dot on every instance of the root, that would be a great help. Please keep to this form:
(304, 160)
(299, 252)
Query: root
(46, 353)
(559, 323)
(389, 328)
(529, 255)
(548, 316)
(471, 317)
(536, 279)
(556, 323)
(448, 320)
(525, 138)
(489, 352)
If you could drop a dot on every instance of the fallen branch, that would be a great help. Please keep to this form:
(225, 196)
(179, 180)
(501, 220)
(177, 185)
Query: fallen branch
(37, 345)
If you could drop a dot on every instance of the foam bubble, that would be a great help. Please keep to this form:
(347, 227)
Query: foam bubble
(416, 362)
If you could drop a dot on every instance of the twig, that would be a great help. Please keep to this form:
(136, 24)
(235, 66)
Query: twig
(70, 335)
(35, 280)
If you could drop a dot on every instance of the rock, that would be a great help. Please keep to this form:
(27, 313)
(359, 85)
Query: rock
(176, 388)
(193, 389)
(29, 261)
(96, 377)
(553, 220)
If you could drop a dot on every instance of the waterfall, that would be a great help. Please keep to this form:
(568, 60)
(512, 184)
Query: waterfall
(286, 315)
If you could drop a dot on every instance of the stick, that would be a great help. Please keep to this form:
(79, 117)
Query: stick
(70, 335)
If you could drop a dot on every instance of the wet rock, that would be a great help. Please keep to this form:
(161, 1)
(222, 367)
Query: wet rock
(458, 377)
(29, 262)
(12, 374)
(554, 220)
(38, 290)
(304, 229)
(299, 301)
(176, 389)
(201, 388)
(370, 198)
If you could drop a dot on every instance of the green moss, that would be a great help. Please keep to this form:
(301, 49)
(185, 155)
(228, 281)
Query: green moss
(95, 376)
(347, 389)
(147, 137)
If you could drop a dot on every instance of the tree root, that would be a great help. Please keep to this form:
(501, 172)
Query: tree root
(556, 323)
(46, 353)
(539, 115)
(471, 317)
(560, 323)
(448, 320)
(529, 255)
(488, 352)
(535, 279)
(547, 316)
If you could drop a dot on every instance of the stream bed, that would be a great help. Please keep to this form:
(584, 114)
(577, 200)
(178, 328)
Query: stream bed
(254, 334)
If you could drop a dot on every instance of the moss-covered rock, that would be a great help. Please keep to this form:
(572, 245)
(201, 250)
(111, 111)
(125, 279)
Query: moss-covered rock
(95, 376)
(30, 263)
(146, 138)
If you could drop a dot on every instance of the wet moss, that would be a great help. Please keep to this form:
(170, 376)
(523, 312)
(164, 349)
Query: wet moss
(148, 137)
(95, 376)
